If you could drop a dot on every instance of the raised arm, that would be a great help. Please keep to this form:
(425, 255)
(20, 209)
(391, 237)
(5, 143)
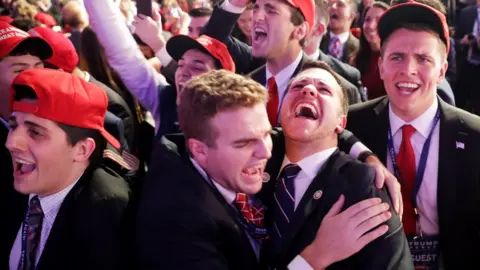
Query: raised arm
(124, 56)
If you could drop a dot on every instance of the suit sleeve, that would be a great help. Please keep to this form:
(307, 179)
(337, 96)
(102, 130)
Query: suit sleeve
(220, 26)
(391, 250)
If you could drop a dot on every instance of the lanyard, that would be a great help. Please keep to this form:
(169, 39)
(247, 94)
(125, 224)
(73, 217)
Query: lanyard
(421, 165)
(23, 255)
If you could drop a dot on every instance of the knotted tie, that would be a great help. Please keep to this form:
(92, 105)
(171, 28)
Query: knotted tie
(34, 228)
(407, 168)
(335, 45)
(284, 205)
(273, 101)
(253, 214)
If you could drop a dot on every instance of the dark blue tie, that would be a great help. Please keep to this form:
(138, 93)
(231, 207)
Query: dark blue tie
(284, 205)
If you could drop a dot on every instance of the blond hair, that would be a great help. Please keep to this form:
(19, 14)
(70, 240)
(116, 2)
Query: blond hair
(213, 92)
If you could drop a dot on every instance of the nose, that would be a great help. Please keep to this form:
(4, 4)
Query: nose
(15, 141)
(264, 148)
(258, 15)
(410, 67)
(309, 90)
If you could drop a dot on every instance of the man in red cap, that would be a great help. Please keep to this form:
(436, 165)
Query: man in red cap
(431, 146)
(18, 52)
(76, 207)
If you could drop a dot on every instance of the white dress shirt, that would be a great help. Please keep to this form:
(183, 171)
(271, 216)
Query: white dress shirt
(282, 78)
(343, 37)
(50, 205)
(298, 263)
(427, 194)
(314, 56)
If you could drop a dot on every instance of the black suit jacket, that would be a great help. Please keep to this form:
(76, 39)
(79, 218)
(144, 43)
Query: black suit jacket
(464, 26)
(185, 223)
(89, 231)
(350, 47)
(458, 174)
(339, 175)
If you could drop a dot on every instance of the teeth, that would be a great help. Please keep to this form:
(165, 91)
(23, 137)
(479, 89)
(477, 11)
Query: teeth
(408, 85)
(22, 161)
(259, 30)
(305, 105)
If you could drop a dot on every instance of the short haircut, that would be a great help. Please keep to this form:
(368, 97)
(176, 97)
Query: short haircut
(74, 134)
(25, 24)
(436, 4)
(297, 19)
(200, 12)
(321, 11)
(354, 5)
(309, 64)
(417, 27)
(211, 93)
(25, 48)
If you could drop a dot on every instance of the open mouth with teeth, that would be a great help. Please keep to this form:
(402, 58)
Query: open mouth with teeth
(406, 89)
(253, 173)
(259, 34)
(22, 167)
(307, 111)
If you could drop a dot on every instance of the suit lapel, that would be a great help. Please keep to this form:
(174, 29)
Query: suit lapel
(259, 75)
(325, 43)
(311, 200)
(450, 125)
(378, 144)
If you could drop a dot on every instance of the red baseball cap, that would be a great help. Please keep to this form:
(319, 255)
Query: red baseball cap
(64, 54)
(307, 8)
(46, 19)
(11, 37)
(63, 98)
(414, 13)
(6, 19)
(178, 45)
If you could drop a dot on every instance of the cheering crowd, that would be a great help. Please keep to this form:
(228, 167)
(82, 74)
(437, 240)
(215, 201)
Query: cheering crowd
(238, 134)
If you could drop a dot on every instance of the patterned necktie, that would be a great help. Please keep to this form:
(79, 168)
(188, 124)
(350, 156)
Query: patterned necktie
(273, 101)
(284, 205)
(34, 228)
(253, 214)
(335, 45)
(407, 169)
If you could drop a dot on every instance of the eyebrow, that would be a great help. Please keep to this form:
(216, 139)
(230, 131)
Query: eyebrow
(270, 6)
(24, 64)
(33, 124)
(243, 140)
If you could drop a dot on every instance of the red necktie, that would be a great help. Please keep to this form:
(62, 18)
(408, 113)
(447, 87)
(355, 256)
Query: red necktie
(272, 104)
(252, 214)
(407, 168)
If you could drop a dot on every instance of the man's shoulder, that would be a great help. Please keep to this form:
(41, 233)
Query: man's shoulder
(470, 121)
(356, 173)
(106, 184)
(367, 106)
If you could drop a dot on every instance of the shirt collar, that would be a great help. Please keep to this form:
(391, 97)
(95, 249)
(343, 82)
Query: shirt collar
(314, 56)
(342, 37)
(229, 195)
(285, 74)
(312, 164)
(423, 124)
(51, 204)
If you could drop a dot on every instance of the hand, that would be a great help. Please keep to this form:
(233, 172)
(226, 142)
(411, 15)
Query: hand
(343, 234)
(384, 176)
(466, 41)
(239, 3)
(149, 30)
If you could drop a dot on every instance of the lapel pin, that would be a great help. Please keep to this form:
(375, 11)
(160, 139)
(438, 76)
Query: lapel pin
(266, 177)
(460, 145)
(318, 194)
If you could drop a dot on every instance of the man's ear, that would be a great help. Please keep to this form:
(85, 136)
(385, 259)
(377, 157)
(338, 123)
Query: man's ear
(301, 31)
(198, 150)
(83, 150)
(319, 29)
(342, 123)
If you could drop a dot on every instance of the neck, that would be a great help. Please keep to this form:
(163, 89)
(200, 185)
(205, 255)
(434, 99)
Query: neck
(79, 73)
(410, 115)
(313, 45)
(275, 65)
(339, 31)
(76, 174)
(297, 150)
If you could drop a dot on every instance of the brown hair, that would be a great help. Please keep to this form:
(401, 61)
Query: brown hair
(210, 93)
(297, 19)
(322, 65)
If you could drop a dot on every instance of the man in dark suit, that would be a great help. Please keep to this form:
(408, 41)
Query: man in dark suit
(215, 223)
(339, 42)
(76, 207)
(441, 206)
(314, 174)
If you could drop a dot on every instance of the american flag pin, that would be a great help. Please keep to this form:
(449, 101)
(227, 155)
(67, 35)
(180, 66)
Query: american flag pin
(460, 145)
(318, 194)
(266, 177)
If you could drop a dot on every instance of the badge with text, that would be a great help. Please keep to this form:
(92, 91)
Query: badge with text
(425, 252)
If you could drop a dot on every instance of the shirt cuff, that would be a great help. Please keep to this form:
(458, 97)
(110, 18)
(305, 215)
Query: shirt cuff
(229, 7)
(299, 263)
(357, 149)
(163, 56)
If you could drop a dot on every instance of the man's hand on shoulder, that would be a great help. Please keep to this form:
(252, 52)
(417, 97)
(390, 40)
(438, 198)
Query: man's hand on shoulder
(342, 234)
